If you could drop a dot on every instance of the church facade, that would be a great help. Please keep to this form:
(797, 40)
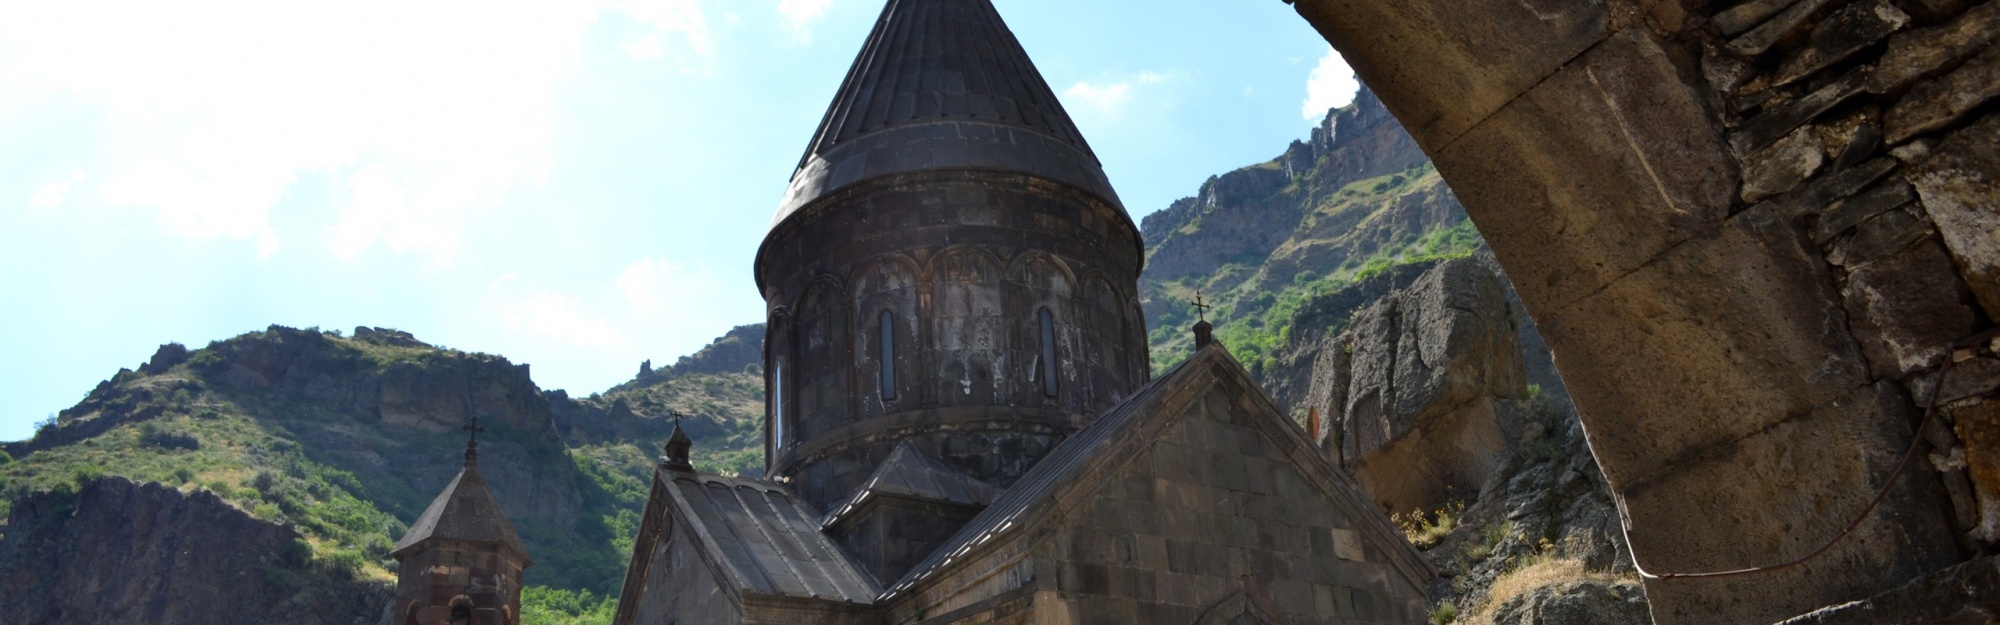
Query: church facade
(960, 425)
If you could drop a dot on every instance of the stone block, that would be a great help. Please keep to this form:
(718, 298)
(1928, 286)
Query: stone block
(1603, 166)
(1978, 426)
(1960, 190)
(1783, 165)
(1877, 238)
(1927, 51)
(1852, 211)
(1779, 493)
(1445, 65)
(1975, 376)
(1724, 336)
(1772, 30)
(1739, 18)
(1841, 34)
(1777, 121)
(1907, 309)
(1936, 104)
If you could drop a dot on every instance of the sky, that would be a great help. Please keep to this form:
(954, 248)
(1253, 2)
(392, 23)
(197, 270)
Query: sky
(578, 185)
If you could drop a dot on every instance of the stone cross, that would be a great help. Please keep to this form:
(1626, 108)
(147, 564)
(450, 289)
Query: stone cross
(1200, 307)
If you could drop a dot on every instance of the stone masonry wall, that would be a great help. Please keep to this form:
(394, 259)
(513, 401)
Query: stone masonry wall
(1749, 230)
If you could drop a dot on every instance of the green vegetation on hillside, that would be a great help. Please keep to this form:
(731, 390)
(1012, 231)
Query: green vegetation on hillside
(1356, 231)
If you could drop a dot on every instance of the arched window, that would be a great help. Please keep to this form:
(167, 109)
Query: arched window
(777, 406)
(1048, 353)
(888, 334)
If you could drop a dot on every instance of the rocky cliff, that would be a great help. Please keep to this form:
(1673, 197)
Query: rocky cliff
(1348, 278)
(115, 551)
(338, 441)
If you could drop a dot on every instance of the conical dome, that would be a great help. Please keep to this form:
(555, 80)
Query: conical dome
(943, 84)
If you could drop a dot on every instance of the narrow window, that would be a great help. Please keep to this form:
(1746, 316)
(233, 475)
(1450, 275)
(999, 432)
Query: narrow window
(777, 406)
(888, 355)
(1048, 353)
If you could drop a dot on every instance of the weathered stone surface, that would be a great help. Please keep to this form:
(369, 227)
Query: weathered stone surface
(1960, 188)
(1783, 165)
(1577, 603)
(120, 552)
(1741, 17)
(1445, 65)
(1854, 210)
(1779, 493)
(1877, 238)
(1978, 425)
(1926, 51)
(1417, 424)
(1975, 376)
(165, 358)
(1765, 35)
(1831, 187)
(1722, 337)
(1602, 167)
(1847, 31)
(1775, 122)
(1934, 105)
(1907, 309)
(1967, 594)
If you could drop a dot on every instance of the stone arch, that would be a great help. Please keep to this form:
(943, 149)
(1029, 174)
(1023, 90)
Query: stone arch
(1617, 156)
(1101, 306)
(412, 613)
(1037, 280)
(885, 284)
(820, 342)
(968, 318)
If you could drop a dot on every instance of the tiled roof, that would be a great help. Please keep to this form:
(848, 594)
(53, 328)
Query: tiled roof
(1052, 472)
(943, 84)
(909, 473)
(769, 543)
(465, 511)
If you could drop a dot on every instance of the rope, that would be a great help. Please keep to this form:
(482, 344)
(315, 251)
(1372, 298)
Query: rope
(1916, 444)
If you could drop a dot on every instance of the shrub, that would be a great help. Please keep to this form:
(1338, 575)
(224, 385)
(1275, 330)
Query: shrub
(184, 474)
(1425, 531)
(156, 435)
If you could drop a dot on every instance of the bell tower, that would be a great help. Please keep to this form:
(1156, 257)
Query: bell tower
(950, 267)
(461, 562)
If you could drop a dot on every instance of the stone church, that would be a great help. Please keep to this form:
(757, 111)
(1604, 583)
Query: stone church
(960, 422)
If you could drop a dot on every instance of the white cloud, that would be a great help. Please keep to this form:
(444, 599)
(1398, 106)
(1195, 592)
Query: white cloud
(561, 317)
(800, 14)
(1331, 85)
(53, 195)
(211, 110)
(1111, 96)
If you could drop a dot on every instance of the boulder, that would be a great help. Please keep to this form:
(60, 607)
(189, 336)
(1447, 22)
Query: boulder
(1589, 602)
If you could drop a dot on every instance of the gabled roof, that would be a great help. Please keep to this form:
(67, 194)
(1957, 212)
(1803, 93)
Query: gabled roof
(466, 511)
(910, 474)
(764, 541)
(1115, 437)
(943, 84)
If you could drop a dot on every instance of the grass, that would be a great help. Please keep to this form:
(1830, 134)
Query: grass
(1540, 570)
(1489, 540)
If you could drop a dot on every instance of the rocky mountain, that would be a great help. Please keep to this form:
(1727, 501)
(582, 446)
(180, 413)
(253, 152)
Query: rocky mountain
(306, 453)
(1346, 275)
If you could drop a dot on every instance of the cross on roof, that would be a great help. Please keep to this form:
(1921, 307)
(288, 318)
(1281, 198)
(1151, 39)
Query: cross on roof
(676, 414)
(472, 428)
(1200, 307)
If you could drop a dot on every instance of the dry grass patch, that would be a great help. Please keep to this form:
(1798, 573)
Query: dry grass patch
(1536, 572)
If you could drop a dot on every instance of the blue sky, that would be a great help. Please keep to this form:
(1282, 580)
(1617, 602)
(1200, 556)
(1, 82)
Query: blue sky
(575, 184)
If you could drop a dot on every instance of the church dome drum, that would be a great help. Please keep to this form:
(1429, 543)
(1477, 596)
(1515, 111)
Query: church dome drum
(950, 266)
